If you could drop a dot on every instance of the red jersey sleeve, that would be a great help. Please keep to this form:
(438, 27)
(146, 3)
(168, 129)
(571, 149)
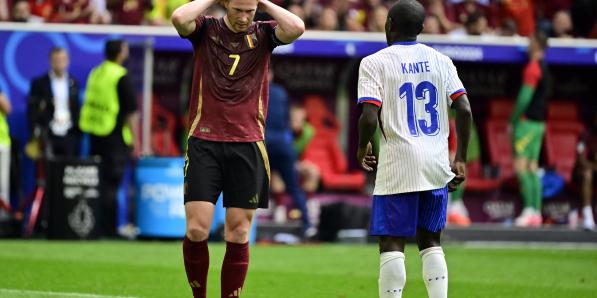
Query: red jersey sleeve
(268, 34)
(532, 74)
(200, 23)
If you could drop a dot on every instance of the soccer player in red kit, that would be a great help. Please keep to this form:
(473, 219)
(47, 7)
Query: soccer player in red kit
(226, 152)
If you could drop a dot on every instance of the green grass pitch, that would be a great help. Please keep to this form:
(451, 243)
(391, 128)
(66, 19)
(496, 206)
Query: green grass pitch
(154, 269)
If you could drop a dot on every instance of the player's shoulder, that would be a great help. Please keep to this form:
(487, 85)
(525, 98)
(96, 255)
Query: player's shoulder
(376, 58)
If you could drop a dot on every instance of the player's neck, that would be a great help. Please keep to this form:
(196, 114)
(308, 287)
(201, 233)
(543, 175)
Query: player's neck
(227, 22)
(401, 39)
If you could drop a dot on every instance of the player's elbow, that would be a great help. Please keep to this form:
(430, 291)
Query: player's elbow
(177, 18)
(296, 29)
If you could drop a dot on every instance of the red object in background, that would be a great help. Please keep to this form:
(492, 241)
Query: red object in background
(499, 143)
(324, 151)
(560, 110)
(71, 11)
(522, 12)
(163, 126)
(562, 134)
(41, 8)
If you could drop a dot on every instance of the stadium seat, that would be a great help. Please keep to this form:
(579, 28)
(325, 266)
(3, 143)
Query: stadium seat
(163, 125)
(501, 108)
(476, 181)
(324, 151)
(562, 111)
(499, 145)
(561, 139)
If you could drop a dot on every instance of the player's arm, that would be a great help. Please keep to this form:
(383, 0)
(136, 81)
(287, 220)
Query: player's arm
(184, 16)
(5, 106)
(464, 119)
(290, 27)
(531, 76)
(367, 127)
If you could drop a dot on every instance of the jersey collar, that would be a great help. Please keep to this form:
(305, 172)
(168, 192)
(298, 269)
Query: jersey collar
(404, 43)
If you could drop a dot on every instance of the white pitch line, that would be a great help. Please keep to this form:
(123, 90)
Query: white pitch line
(57, 294)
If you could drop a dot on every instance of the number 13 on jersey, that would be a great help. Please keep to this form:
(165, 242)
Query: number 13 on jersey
(427, 94)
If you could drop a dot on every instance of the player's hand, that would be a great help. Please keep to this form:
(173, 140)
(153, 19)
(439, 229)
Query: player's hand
(458, 168)
(366, 158)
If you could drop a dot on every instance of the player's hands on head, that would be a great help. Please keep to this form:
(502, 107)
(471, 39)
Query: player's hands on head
(366, 159)
(458, 168)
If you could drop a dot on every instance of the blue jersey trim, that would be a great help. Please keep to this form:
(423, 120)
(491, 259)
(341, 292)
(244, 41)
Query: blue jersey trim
(404, 43)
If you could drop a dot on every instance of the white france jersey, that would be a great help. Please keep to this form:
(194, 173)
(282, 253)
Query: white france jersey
(414, 85)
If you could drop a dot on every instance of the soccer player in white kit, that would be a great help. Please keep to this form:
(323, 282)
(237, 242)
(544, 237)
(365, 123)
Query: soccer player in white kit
(408, 88)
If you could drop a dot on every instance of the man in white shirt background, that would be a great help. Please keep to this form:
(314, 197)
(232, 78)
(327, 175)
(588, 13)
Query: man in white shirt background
(54, 108)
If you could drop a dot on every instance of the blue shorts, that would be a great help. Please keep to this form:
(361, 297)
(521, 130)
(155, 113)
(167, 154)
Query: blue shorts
(400, 215)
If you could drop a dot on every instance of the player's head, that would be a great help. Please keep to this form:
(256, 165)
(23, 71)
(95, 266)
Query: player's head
(58, 60)
(116, 50)
(405, 21)
(537, 44)
(240, 14)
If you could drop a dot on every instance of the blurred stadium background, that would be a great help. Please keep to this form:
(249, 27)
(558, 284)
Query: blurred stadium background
(488, 258)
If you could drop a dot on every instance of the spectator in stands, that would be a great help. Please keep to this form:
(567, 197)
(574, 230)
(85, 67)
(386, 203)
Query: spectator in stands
(437, 9)
(328, 20)
(463, 9)
(53, 108)
(43, 9)
(72, 11)
(561, 25)
(129, 12)
(587, 167)
(528, 120)
(303, 132)
(282, 157)
(508, 28)
(99, 12)
(298, 10)
(109, 115)
(476, 24)
(377, 20)
(584, 18)
(5, 109)
(21, 12)
(162, 11)
(432, 25)
(4, 11)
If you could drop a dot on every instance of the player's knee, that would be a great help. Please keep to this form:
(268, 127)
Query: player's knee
(197, 232)
(387, 244)
(237, 234)
(426, 239)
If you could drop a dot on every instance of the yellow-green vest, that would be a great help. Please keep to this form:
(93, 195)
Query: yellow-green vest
(100, 109)
(4, 132)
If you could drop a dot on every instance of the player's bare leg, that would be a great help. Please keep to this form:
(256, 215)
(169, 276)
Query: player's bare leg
(435, 269)
(199, 215)
(526, 182)
(587, 192)
(392, 272)
(236, 260)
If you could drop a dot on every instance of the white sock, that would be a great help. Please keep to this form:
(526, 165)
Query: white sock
(435, 272)
(587, 217)
(392, 274)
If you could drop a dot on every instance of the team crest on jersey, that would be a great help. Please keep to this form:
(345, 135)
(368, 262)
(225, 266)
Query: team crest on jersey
(251, 40)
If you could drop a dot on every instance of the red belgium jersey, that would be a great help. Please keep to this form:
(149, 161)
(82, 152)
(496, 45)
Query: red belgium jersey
(229, 95)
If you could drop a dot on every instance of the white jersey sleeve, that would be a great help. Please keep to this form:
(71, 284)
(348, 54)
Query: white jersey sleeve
(370, 89)
(452, 83)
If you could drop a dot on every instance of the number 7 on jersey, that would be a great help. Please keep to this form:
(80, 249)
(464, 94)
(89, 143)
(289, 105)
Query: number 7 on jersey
(236, 58)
